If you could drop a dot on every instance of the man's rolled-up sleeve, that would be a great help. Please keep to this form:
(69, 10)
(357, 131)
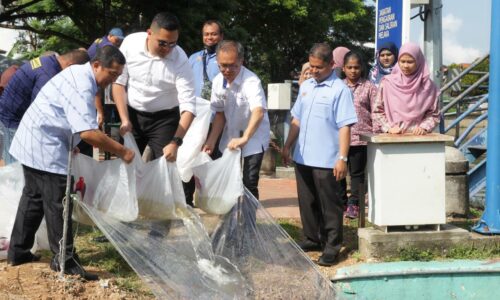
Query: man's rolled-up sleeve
(184, 83)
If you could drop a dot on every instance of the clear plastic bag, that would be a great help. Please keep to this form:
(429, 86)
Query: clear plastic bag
(194, 139)
(249, 256)
(268, 258)
(219, 182)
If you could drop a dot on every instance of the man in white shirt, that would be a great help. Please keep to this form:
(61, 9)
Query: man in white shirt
(155, 93)
(62, 113)
(241, 110)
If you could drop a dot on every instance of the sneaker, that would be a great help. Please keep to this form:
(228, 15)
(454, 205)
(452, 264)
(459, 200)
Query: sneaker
(352, 211)
(73, 267)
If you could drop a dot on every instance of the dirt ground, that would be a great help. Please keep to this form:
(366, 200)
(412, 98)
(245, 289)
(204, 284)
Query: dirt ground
(38, 281)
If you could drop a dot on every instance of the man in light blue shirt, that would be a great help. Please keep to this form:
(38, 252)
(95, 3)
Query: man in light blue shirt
(204, 62)
(321, 118)
(62, 113)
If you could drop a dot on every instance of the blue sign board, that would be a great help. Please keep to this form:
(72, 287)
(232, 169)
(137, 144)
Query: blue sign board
(390, 15)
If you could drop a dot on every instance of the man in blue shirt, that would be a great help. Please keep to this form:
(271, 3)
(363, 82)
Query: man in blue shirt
(24, 86)
(204, 62)
(62, 114)
(321, 118)
(114, 38)
(205, 68)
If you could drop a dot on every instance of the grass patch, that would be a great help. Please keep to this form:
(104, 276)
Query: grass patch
(475, 213)
(457, 252)
(105, 257)
(292, 227)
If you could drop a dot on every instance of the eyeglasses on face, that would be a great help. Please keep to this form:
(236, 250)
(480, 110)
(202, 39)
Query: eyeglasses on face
(166, 44)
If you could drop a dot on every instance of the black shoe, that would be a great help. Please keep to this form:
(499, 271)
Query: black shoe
(328, 259)
(30, 258)
(308, 245)
(100, 239)
(73, 268)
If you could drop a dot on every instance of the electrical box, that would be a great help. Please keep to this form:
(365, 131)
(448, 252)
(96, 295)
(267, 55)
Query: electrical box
(279, 96)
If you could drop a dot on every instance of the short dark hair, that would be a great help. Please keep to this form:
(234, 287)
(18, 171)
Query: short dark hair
(77, 56)
(356, 55)
(165, 20)
(212, 22)
(322, 51)
(107, 55)
(228, 45)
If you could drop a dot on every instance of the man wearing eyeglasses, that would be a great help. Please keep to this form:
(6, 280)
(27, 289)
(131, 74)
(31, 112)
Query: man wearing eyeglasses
(155, 93)
(241, 111)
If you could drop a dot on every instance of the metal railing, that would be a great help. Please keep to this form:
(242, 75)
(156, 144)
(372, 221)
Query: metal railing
(464, 98)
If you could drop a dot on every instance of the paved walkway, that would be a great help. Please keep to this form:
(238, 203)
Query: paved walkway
(279, 197)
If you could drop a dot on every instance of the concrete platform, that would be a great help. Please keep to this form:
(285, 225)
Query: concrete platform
(285, 172)
(375, 244)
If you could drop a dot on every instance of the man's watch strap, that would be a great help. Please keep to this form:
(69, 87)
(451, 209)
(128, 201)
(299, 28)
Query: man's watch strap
(177, 140)
(344, 158)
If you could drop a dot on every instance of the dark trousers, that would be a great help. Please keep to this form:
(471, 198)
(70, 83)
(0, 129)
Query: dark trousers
(251, 169)
(154, 129)
(43, 194)
(357, 163)
(157, 130)
(320, 206)
(86, 148)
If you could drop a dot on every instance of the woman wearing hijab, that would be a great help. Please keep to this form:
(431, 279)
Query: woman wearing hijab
(338, 59)
(407, 99)
(386, 59)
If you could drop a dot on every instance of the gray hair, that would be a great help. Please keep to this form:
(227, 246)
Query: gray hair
(228, 45)
(322, 51)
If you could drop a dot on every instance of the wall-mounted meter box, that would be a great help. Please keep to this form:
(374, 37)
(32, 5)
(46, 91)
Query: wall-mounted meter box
(279, 96)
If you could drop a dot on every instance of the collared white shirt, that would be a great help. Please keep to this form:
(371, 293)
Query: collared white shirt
(156, 83)
(63, 108)
(237, 100)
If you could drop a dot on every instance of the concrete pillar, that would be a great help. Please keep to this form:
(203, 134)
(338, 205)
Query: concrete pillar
(457, 189)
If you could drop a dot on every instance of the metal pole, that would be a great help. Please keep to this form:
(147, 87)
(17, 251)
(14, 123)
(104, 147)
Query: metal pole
(490, 221)
(66, 202)
(433, 40)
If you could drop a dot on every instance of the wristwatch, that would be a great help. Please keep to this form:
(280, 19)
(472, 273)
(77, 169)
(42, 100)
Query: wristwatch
(177, 140)
(341, 157)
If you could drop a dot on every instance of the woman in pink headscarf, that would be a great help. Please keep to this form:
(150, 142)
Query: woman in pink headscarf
(407, 99)
(338, 59)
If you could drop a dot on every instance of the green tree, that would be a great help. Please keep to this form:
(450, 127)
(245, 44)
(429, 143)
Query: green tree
(276, 33)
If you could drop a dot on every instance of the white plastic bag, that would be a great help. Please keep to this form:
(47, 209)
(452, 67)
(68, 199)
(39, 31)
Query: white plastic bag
(194, 139)
(110, 186)
(219, 182)
(158, 184)
(11, 188)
